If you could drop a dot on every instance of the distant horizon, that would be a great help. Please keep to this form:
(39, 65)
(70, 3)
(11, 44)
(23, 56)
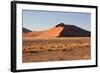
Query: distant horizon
(44, 20)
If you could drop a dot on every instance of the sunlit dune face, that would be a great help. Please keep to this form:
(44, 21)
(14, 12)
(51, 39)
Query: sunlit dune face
(54, 32)
(31, 34)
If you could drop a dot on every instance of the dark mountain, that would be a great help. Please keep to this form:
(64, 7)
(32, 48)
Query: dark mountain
(72, 31)
(26, 30)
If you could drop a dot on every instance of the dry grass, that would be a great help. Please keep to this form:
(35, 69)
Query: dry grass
(47, 45)
(38, 45)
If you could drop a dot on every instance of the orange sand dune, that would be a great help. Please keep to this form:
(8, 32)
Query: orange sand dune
(60, 30)
(53, 32)
(31, 34)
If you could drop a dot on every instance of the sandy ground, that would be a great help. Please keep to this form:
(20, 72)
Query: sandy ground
(78, 52)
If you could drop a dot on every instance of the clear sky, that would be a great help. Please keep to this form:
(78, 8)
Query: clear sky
(43, 20)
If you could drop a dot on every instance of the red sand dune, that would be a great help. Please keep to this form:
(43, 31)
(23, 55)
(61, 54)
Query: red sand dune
(60, 30)
(53, 32)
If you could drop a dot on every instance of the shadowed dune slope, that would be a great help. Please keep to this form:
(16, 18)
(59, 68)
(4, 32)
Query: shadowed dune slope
(72, 31)
(26, 30)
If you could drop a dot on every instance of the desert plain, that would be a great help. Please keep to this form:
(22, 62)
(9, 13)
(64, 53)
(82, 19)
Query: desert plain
(39, 49)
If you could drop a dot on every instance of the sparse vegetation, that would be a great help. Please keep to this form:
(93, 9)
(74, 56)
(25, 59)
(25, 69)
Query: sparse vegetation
(68, 44)
(63, 44)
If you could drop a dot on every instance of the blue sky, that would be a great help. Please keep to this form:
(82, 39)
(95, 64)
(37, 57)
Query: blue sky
(43, 20)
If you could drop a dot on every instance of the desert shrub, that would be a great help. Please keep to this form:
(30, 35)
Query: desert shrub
(52, 49)
(25, 51)
(64, 50)
(49, 50)
(33, 51)
(67, 49)
(41, 48)
(52, 46)
(59, 46)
